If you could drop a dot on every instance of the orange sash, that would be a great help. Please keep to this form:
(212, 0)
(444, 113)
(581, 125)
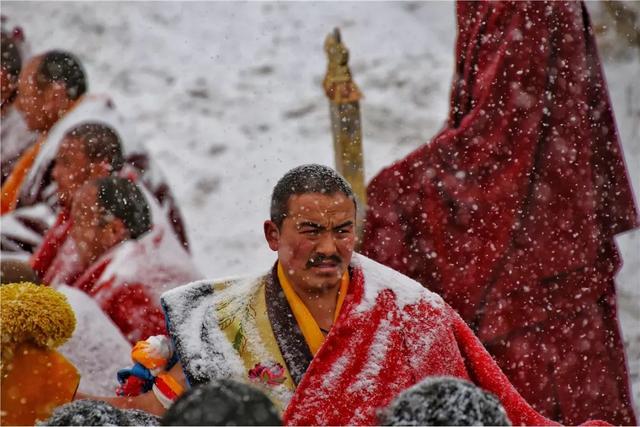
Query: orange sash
(13, 184)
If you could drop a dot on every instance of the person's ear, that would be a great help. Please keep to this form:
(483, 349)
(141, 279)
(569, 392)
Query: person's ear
(272, 234)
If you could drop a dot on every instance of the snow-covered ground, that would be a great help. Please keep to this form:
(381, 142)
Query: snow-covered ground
(228, 97)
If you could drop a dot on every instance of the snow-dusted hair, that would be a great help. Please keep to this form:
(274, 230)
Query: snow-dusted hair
(444, 401)
(222, 402)
(101, 143)
(124, 200)
(64, 67)
(312, 178)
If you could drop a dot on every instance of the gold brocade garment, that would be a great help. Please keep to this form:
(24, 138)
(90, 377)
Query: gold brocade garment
(244, 321)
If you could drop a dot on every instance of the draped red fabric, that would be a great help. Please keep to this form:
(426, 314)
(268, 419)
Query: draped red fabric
(53, 239)
(389, 349)
(509, 212)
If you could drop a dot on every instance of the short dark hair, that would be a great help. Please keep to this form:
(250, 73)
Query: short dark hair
(11, 59)
(101, 143)
(311, 178)
(124, 200)
(222, 402)
(444, 401)
(60, 66)
(89, 412)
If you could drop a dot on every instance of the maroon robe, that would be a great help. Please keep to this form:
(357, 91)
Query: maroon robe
(509, 212)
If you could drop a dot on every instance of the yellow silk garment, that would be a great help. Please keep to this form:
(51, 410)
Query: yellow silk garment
(246, 325)
(308, 325)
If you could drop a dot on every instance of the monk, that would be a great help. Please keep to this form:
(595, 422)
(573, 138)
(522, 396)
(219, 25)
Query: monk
(49, 87)
(510, 212)
(53, 99)
(88, 151)
(115, 256)
(14, 134)
(329, 334)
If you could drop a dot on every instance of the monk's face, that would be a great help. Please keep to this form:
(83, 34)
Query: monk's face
(315, 241)
(73, 168)
(93, 229)
(41, 104)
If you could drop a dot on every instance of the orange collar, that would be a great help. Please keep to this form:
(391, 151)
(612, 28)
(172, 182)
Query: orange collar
(308, 325)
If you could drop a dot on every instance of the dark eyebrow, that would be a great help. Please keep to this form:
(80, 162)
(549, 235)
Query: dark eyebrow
(343, 225)
(310, 224)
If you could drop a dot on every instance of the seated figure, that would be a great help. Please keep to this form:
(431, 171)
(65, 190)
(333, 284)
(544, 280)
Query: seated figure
(88, 151)
(330, 335)
(59, 75)
(16, 137)
(115, 256)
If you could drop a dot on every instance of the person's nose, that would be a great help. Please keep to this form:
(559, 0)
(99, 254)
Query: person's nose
(326, 244)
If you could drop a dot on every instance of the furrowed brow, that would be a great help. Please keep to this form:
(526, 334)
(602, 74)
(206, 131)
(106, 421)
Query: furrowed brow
(343, 225)
(310, 224)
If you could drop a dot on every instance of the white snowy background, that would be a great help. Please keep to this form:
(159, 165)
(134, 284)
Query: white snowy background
(227, 97)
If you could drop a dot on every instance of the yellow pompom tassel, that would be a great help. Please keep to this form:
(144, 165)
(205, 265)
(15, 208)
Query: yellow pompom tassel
(33, 314)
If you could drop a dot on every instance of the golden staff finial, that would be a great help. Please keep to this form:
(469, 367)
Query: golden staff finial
(346, 125)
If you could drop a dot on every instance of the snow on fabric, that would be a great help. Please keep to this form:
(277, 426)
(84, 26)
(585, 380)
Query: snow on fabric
(233, 308)
(66, 266)
(235, 299)
(224, 126)
(407, 291)
(128, 280)
(18, 229)
(157, 258)
(16, 138)
(97, 348)
(189, 316)
(510, 211)
(403, 343)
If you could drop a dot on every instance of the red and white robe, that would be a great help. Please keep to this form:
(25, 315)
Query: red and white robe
(390, 334)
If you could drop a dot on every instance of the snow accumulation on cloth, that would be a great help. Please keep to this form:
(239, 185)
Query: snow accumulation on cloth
(97, 348)
(16, 138)
(390, 334)
(23, 230)
(509, 212)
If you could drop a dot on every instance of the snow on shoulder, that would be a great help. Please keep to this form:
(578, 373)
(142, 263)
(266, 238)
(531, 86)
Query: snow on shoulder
(193, 325)
(378, 277)
(97, 347)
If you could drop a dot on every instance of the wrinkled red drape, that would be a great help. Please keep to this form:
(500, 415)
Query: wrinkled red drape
(510, 211)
